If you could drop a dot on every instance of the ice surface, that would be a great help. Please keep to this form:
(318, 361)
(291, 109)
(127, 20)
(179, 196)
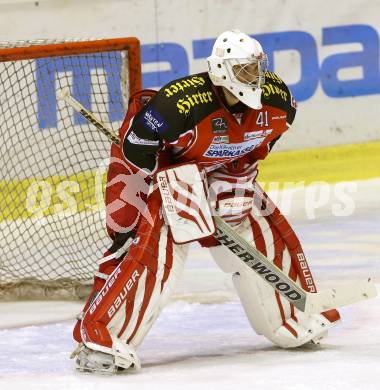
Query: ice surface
(198, 346)
(211, 346)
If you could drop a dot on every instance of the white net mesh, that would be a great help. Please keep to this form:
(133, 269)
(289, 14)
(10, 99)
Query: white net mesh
(52, 169)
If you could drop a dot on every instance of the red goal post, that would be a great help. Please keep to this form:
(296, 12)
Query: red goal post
(39, 50)
(53, 163)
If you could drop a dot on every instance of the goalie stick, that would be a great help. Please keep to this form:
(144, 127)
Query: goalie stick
(307, 302)
(64, 94)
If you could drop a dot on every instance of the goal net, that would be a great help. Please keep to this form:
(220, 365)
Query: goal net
(53, 163)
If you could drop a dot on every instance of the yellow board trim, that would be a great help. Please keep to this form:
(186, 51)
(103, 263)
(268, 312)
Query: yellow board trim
(330, 165)
(52, 195)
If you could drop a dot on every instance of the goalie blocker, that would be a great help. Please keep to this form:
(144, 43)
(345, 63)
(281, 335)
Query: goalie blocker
(131, 290)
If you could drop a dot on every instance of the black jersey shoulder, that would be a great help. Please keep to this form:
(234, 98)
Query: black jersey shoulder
(185, 102)
(176, 108)
(277, 94)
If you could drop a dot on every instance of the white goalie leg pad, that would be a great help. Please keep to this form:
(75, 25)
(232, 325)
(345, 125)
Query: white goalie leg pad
(269, 314)
(131, 299)
(161, 294)
(150, 299)
(265, 317)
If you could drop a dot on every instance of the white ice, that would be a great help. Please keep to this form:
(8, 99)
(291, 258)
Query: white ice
(211, 346)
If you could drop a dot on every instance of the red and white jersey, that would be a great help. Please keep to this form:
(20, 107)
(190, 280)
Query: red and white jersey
(189, 120)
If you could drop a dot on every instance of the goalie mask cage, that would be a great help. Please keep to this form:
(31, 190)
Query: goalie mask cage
(53, 163)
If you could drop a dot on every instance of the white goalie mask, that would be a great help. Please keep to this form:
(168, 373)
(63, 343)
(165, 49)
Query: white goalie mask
(238, 64)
